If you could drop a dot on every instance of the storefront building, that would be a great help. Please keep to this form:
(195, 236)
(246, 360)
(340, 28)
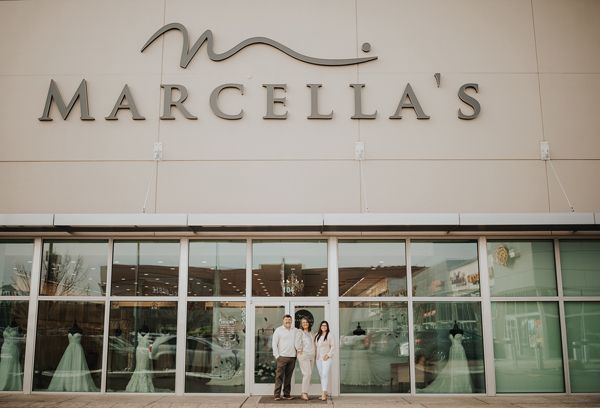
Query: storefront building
(177, 175)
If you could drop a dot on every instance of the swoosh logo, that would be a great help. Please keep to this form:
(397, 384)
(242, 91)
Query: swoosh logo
(187, 53)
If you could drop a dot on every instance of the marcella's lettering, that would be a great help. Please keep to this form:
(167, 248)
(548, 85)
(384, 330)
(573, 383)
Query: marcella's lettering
(175, 95)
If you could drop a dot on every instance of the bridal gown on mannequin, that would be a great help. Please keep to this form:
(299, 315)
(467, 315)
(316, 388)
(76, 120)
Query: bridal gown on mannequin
(72, 373)
(359, 369)
(455, 376)
(141, 380)
(11, 373)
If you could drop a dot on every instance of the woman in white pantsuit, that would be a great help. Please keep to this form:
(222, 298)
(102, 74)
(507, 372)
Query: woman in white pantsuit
(325, 346)
(305, 347)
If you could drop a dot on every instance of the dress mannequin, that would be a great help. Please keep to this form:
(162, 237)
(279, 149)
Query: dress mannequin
(11, 372)
(455, 377)
(72, 373)
(141, 379)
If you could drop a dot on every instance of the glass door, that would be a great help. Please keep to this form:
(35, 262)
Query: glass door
(267, 316)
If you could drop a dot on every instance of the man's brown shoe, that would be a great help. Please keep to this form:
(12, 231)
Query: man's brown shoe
(277, 398)
(288, 397)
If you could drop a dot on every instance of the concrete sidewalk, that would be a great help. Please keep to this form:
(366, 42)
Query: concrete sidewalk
(191, 401)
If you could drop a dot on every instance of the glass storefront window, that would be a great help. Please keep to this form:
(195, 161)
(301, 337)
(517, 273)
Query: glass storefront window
(372, 268)
(448, 348)
(521, 268)
(289, 268)
(445, 268)
(266, 320)
(215, 347)
(374, 351)
(217, 268)
(74, 268)
(16, 258)
(68, 347)
(13, 328)
(142, 346)
(580, 267)
(527, 347)
(583, 338)
(145, 268)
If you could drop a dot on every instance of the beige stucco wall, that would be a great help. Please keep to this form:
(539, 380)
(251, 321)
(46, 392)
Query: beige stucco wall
(537, 64)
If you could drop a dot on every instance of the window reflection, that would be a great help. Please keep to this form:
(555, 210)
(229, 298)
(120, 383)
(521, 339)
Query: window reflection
(145, 268)
(445, 268)
(289, 268)
(215, 347)
(583, 334)
(142, 346)
(448, 348)
(13, 328)
(527, 347)
(74, 268)
(521, 268)
(16, 258)
(68, 353)
(217, 268)
(580, 265)
(372, 268)
(374, 347)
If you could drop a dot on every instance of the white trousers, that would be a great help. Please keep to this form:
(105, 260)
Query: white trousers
(324, 368)
(306, 366)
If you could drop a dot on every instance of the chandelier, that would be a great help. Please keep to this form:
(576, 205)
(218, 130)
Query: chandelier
(292, 286)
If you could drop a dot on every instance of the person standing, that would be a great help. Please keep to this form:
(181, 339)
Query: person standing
(284, 351)
(325, 346)
(306, 355)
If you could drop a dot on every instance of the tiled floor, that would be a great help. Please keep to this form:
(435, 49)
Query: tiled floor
(195, 401)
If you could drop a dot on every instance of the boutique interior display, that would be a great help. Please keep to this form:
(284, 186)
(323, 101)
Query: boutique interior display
(448, 348)
(68, 353)
(455, 377)
(374, 347)
(142, 347)
(13, 330)
(141, 379)
(72, 373)
(11, 368)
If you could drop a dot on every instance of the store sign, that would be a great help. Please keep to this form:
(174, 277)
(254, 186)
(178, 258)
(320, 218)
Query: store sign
(275, 93)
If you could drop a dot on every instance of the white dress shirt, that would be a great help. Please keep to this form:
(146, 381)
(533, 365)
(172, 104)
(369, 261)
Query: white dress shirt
(284, 342)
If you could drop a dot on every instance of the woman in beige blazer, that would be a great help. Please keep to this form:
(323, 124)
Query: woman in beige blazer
(325, 345)
(305, 347)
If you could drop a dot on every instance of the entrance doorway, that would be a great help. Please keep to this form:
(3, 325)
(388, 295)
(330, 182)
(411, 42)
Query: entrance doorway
(267, 316)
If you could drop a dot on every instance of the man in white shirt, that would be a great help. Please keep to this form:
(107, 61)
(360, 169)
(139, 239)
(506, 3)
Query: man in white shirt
(284, 351)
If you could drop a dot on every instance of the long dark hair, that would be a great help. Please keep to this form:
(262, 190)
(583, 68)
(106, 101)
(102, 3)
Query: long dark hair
(320, 332)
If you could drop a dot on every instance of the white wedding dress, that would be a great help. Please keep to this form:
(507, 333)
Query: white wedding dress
(73, 373)
(455, 376)
(141, 380)
(11, 372)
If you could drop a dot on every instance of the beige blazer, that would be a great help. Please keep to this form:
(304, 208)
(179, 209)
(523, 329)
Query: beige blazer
(325, 346)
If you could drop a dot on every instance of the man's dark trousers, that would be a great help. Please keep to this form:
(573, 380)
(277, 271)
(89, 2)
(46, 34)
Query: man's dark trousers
(283, 375)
